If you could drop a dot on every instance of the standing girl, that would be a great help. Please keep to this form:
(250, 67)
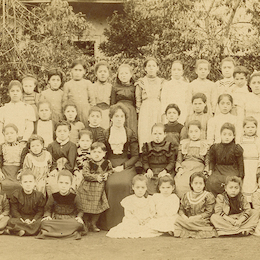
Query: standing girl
(191, 158)
(79, 90)
(195, 211)
(148, 105)
(225, 159)
(123, 91)
(54, 93)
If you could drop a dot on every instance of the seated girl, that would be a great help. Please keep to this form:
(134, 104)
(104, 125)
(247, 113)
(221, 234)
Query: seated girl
(4, 211)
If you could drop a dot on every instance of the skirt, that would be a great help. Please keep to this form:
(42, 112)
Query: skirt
(15, 225)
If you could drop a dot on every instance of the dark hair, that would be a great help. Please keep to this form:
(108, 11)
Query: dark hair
(99, 64)
(160, 125)
(203, 97)
(34, 138)
(63, 123)
(139, 177)
(222, 96)
(234, 179)
(254, 74)
(166, 178)
(95, 109)
(15, 83)
(85, 132)
(200, 175)
(114, 108)
(56, 72)
(250, 119)
(78, 62)
(26, 172)
(241, 70)
(173, 106)
(228, 126)
(228, 59)
(10, 126)
(44, 102)
(150, 59)
(202, 61)
(69, 104)
(96, 145)
(194, 122)
(65, 173)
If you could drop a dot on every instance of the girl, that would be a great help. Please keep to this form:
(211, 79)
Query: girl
(54, 94)
(225, 159)
(44, 126)
(199, 106)
(63, 212)
(251, 146)
(191, 158)
(10, 159)
(225, 103)
(4, 211)
(123, 91)
(195, 211)
(27, 206)
(166, 206)
(175, 91)
(71, 116)
(17, 112)
(158, 158)
(79, 91)
(148, 94)
(233, 214)
(39, 161)
(138, 211)
(102, 91)
(256, 203)
(92, 188)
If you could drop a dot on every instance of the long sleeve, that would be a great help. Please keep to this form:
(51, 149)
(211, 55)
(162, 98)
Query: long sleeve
(219, 205)
(5, 206)
(41, 204)
(256, 200)
(240, 160)
(209, 206)
(1, 157)
(66, 91)
(29, 128)
(145, 161)
(78, 205)
(171, 162)
(48, 210)
(27, 163)
(182, 209)
(15, 207)
(138, 97)
(88, 176)
(247, 211)
(212, 157)
(91, 94)
(72, 155)
(179, 158)
(113, 96)
(211, 131)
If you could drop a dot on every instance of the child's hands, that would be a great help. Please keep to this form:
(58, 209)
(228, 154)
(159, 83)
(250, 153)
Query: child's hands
(118, 168)
(184, 217)
(163, 173)
(46, 218)
(149, 174)
(238, 222)
(99, 178)
(79, 219)
(27, 221)
(105, 175)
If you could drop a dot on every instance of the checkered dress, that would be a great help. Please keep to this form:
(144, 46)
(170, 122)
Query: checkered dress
(91, 192)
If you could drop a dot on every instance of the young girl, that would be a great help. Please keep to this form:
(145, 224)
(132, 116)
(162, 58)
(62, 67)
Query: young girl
(10, 159)
(79, 90)
(166, 206)
(225, 159)
(203, 85)
(123, 91)
(63, 212)
(199, 107)
(138, 210)
(175, 91)
(195, 211)
(4, 211)
(158, 158)
(102, 91)
(225, 103)
(92, 188)
(39, 161)
(233, 214)
(44, 126)
(17, 112)
(148, 94)
(27, 206)
(251, 146)
(191, 158)
(54, 94)
(256, 203)
(71, 116)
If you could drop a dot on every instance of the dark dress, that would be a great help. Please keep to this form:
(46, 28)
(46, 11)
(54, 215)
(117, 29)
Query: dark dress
(119, 184)
(63, 209)
(26, 206)
(158, 157)
(225, 160)
(173, 131)
(98, 133)
(125, 94)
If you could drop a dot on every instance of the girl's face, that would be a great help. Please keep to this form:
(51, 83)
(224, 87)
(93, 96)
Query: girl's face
(44, 112)
(250, 129)
(95, 118)
(198, 184)
(177, 71)
(70, 113)
(202, 70)
(227, 69)
(158, 134)
(194, 133)
(55, 82)
(225, 105)
(62, 132)
(124, 75)
(102, 73)
(151, 68)
(255, 85)
(118, 118)
(28, 183)
(64, 185)
(172, 115)
(36, 147)
(232, 189)
(166, 189)
(28, 86)
(227, 136)
(10, 135)
(15, 94)
(139, 188)
(78, 72)
(198, 105)
(97, 154)
(240, 79)
(85, 142)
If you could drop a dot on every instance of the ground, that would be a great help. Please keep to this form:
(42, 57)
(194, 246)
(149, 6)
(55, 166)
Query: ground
(98, 246)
